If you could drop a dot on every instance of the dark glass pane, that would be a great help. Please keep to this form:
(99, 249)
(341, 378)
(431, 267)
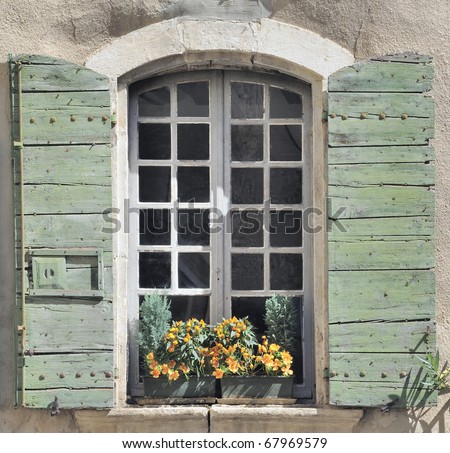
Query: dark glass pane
(248, 229)
(247, 185)
(253, 308)
(286, 228)
(193, 99)
(193, 142)
(154, 184)
(154, 227)
(193, 227)
(247, 271)
(155, 102)
(247, 100)
(193, 184)
(285, 104)
(286, 185)
(247, 143)
(154, 270)
(187, 307)
(286, 271)
(286, 143)
(154, 141)
(193, 270)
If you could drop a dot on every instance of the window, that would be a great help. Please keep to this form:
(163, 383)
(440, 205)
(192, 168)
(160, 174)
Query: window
(219, 183)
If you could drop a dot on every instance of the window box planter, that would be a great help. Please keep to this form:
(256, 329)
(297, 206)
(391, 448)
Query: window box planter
(256, 386)
(194, 387)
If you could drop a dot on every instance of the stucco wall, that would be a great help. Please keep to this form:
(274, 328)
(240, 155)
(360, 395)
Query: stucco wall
(77, 29)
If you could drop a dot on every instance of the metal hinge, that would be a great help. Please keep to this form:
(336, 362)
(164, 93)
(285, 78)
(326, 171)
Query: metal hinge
(325, 116)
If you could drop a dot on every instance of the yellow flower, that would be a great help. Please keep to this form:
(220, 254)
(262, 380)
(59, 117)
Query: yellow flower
(174, 376)
(274, 347)
(218, 373)
(233, 365)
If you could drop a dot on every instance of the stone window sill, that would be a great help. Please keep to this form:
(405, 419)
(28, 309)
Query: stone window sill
(219, 418)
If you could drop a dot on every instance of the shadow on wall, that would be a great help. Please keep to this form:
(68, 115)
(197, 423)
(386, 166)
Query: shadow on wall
(401, 421)
(129, 16)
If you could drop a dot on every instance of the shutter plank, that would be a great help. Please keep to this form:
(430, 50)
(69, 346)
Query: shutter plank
(385, 254)
(66, 117)
(61, 77)
(70, 398)
(56, 164)
(68, 231)
(381, 201)
(69, 371)
(383, 77)
(388, 337)
(374, 104)
(344, 230)
(407, 174)
(396, 294)
(381, 154)
(57, 325)
(363, 394)
(66, 199)
(373, 132)
(375, 367)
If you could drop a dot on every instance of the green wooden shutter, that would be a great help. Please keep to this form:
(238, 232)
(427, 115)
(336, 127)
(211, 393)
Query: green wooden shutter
(62, 169)
(381, 231)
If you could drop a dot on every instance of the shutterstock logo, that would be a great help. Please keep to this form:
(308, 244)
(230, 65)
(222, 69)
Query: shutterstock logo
(249, 221)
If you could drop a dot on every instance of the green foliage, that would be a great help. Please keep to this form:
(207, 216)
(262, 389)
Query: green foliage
(281, 320)
(155, 319)
(437, 377)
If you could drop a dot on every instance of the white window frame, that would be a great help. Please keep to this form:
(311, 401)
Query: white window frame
(220, 164)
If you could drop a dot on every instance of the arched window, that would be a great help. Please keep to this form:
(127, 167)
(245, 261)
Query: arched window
(220, 190)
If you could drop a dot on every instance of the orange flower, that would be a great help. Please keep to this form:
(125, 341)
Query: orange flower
(267, 360)
(155, 373)
(174, 376)
(164, 368)
(183, 368)
(218, 373)
(274, 347)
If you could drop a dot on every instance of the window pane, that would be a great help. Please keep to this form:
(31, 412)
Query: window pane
(286, 228)
(247, 229)
(154, 270)
(154, 141)
(284, 104)
(193, 99)
(193, 142)
(193, 227)
(247, 271)
(184, 308)
(286, 143)
(154, 184)
(154, 227)
(193, 270)
(193, 184)
(286, 271)
(252, 307)
(286, 185)
(247, 143)
(247, 185)
(247, 100)
(155, 102)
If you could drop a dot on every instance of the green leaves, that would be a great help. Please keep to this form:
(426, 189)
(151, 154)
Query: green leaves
(436, 378)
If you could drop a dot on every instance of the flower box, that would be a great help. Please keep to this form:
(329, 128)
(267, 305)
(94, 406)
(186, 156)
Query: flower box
(194, 387)
(256, 386)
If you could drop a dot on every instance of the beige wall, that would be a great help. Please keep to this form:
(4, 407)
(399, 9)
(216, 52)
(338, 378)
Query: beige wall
(77, 29)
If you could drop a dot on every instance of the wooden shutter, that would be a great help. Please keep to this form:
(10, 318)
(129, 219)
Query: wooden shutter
(62, 167)
(381, 231)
